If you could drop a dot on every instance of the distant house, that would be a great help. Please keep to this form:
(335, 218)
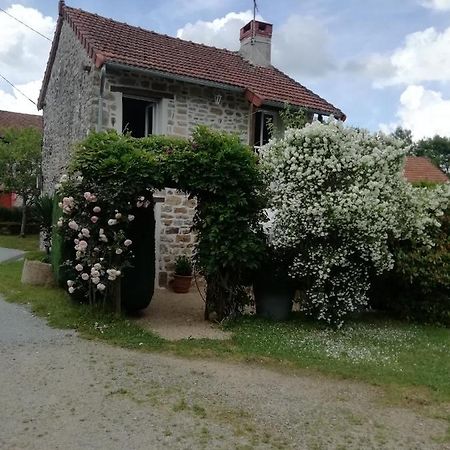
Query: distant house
(10, 119)
(419, 169)
(104, 74)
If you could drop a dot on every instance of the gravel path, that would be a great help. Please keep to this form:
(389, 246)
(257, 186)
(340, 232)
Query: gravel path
(7, 254)
(58, 391)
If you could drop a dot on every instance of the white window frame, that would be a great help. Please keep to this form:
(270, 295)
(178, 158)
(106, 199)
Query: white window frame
(152, 103)
(264, 113)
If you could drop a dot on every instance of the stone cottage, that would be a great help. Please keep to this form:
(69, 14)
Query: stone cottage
(104, 74)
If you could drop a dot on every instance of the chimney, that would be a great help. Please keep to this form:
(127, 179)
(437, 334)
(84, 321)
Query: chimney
(256, 43)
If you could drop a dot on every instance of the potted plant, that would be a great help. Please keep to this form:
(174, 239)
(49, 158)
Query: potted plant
(39, 272)
(182, 278)
(274, 291)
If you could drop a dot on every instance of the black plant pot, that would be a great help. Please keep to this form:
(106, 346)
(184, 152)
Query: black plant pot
(273, 298)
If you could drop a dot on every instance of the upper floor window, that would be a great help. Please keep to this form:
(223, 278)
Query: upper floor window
(138, 117)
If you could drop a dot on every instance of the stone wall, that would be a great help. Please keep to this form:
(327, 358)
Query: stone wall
(183, 105)
(70, 105)
(175, 216)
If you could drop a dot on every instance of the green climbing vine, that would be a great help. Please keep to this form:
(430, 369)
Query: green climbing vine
(110, 185)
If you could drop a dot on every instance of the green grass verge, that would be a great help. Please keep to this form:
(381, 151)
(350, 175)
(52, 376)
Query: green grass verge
(373, 349)
(27, 244)
(61, 312)
(388, 353)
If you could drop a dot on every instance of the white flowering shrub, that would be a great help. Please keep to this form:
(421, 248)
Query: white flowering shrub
(339, 198)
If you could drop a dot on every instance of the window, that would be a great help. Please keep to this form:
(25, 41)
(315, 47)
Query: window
(138, 117)
(263, 121)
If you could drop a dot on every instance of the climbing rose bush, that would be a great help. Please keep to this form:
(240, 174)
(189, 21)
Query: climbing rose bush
(96, 228)
(339, 198)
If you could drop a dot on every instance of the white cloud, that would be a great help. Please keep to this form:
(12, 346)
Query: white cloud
(425, 112)
(23, 55)
(439, 5)
(16, 102)
(421, 59)
(222, 32)
(299, 46)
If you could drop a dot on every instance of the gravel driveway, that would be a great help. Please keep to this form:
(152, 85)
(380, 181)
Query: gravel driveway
(58, 391)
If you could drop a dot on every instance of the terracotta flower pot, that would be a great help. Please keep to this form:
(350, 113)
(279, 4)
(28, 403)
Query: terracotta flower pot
(181, 284)
(37, 273)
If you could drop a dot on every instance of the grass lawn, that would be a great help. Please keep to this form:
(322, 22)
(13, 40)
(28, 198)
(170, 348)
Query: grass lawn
(404, 358)
(28, 243)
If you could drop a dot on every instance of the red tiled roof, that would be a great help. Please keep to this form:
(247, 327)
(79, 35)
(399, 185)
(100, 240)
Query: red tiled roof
(419, 169)
(109, 41)
(10, 119)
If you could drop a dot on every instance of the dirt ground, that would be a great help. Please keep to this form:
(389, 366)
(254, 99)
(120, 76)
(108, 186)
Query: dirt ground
(58, 391)
(179, 316)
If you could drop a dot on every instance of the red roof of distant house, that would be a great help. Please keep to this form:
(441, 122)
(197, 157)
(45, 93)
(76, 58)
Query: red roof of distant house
(419, 169)
(10, 119)
(108, 41)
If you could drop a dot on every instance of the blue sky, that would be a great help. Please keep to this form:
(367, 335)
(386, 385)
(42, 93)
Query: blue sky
(383, 62)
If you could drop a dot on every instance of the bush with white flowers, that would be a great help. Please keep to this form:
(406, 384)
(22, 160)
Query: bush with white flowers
(339, 198)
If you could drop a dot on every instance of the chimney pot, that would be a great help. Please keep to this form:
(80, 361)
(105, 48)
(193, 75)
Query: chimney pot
(256, 43)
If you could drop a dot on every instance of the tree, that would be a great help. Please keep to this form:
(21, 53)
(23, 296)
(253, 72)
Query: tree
(20, 165)
(437, 149)
(404, 135)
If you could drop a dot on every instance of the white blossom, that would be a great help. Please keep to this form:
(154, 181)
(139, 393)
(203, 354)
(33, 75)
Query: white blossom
(338, 197)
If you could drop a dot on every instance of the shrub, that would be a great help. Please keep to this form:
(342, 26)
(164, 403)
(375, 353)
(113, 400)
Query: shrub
(14, 228)
(43, 215)
(183, 266)
(10, 214)
(418, 288)
(340, 199)
(117, 175)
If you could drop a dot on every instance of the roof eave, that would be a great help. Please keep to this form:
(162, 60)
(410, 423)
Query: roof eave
(336, 113)
(251, 96)
(172, 76)
(51, 59)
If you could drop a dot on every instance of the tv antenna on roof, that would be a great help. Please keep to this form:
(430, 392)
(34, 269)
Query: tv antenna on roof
(255, 10)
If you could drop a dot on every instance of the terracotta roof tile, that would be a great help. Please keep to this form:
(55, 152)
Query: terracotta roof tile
(109, 41)
(10, 119)
(419, 169)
